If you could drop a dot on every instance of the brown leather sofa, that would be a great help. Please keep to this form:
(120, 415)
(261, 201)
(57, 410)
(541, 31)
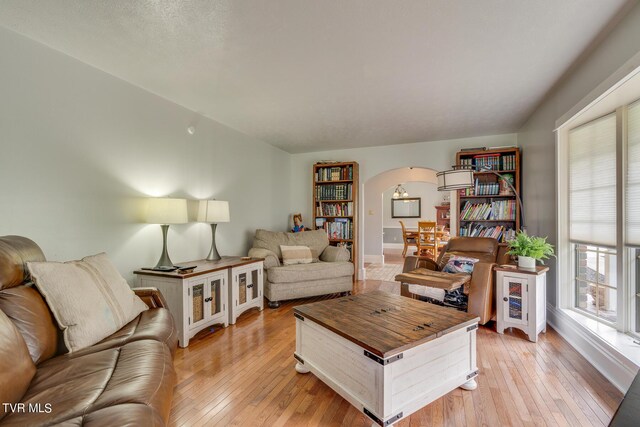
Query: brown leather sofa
(480, 286)
(126, 379)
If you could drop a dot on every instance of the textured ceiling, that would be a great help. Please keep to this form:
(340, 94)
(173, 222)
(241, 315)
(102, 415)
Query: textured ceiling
(308, 75)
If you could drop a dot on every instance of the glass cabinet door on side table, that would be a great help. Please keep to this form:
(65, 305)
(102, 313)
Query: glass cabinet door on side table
(196, 302)
(514, 299)
(246, 289)
(206, 300)
(216, 301)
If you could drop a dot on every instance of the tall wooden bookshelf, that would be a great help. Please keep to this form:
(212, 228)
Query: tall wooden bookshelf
(490, 208)
(335, 204)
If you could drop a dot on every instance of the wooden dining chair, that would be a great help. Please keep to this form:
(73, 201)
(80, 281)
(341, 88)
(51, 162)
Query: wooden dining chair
(427, 240)
(408, 238)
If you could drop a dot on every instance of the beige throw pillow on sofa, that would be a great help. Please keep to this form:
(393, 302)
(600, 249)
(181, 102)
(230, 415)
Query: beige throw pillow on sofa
(296, 255)
(89, 298)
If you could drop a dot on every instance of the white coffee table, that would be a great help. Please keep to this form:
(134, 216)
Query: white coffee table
(386, 354)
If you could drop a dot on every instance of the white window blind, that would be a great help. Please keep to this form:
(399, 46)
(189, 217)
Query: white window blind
(592, 182)
(633, 176)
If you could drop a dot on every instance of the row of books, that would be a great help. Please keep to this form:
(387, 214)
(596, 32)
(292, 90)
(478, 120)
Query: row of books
(494, 162)
(334, 192)
(340, 228)
(486, 188)
(496, 210)
(490, 161)
(498, 232)
(335, 209)
(335, 173)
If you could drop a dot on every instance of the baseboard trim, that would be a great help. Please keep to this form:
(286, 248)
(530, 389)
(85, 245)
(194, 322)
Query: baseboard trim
(374, 259)
(393, 245)
(619, 370)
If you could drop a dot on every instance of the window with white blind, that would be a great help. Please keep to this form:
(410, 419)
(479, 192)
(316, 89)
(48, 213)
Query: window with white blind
(592, 182)
(632, 189)
(632, 214)
(592, 216)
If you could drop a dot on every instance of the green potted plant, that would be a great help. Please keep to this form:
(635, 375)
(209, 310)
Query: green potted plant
(529, 249)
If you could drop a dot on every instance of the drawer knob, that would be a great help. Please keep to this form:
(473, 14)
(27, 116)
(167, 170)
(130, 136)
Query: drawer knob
(505, 299)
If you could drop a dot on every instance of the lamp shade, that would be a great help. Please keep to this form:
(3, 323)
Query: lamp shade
(167, 211)
(455, 179)
(213, 211)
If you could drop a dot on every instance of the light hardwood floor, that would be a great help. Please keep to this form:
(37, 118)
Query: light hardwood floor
(244, 376)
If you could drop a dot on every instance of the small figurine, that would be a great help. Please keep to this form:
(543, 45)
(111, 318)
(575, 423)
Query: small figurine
(297, 223)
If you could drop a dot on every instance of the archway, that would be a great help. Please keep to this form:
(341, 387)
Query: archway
(373, 190)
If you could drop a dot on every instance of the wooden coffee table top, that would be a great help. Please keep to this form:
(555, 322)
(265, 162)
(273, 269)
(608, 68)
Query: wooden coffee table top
(385, 324)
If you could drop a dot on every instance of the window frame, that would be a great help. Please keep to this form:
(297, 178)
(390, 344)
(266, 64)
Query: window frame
(566, 290)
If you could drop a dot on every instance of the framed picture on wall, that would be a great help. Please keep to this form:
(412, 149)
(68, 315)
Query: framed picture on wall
(408, 207)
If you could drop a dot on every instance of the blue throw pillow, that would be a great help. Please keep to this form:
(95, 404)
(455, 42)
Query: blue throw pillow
(460, 264)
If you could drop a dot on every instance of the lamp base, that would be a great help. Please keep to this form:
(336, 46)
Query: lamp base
(213, 253)
(164, 263)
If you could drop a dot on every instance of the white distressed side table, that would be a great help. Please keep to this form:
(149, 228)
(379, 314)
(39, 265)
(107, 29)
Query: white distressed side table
(215, 292)
(521, 299)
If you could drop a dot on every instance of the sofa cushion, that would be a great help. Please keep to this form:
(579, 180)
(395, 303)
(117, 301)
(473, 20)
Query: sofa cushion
(140, 372)
(29, 313)
(156, 324)
(304, 272)
(88, 298)
(292, 255)
(316, 240)
(16, 367)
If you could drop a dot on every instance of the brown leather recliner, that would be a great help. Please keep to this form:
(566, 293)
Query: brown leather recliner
(480, 288)
(126, 379)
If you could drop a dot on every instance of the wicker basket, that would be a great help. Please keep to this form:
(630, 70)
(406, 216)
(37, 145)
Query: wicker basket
(198, 313)
(243, 289)
(214, 299)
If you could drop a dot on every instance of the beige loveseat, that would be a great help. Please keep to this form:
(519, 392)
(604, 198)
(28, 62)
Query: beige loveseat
(332, 273)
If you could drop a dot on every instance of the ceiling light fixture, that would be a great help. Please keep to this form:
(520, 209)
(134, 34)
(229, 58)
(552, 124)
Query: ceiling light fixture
(400, 192)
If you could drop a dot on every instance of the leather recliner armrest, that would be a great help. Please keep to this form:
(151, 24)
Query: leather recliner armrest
(152, 297)
(335, 254)
(412, 262)
(270, 258)
(482, 291)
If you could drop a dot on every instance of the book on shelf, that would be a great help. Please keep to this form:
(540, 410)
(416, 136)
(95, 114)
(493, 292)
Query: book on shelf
(486, 188)
(339, 229)
(490, 161)
(334, 173)
(334, 209)
(493, 161)
(498, 232)
(334, 192)
(496, 210)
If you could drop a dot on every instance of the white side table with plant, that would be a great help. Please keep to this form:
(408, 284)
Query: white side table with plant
(521, 290)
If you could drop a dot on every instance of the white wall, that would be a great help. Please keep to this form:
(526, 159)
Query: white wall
(80, 148)
(436, 155)
(537, 137)
(429, 198)
(583, 82)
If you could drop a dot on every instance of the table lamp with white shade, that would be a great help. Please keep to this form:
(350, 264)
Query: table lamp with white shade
(165, 211)
(213, 212)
